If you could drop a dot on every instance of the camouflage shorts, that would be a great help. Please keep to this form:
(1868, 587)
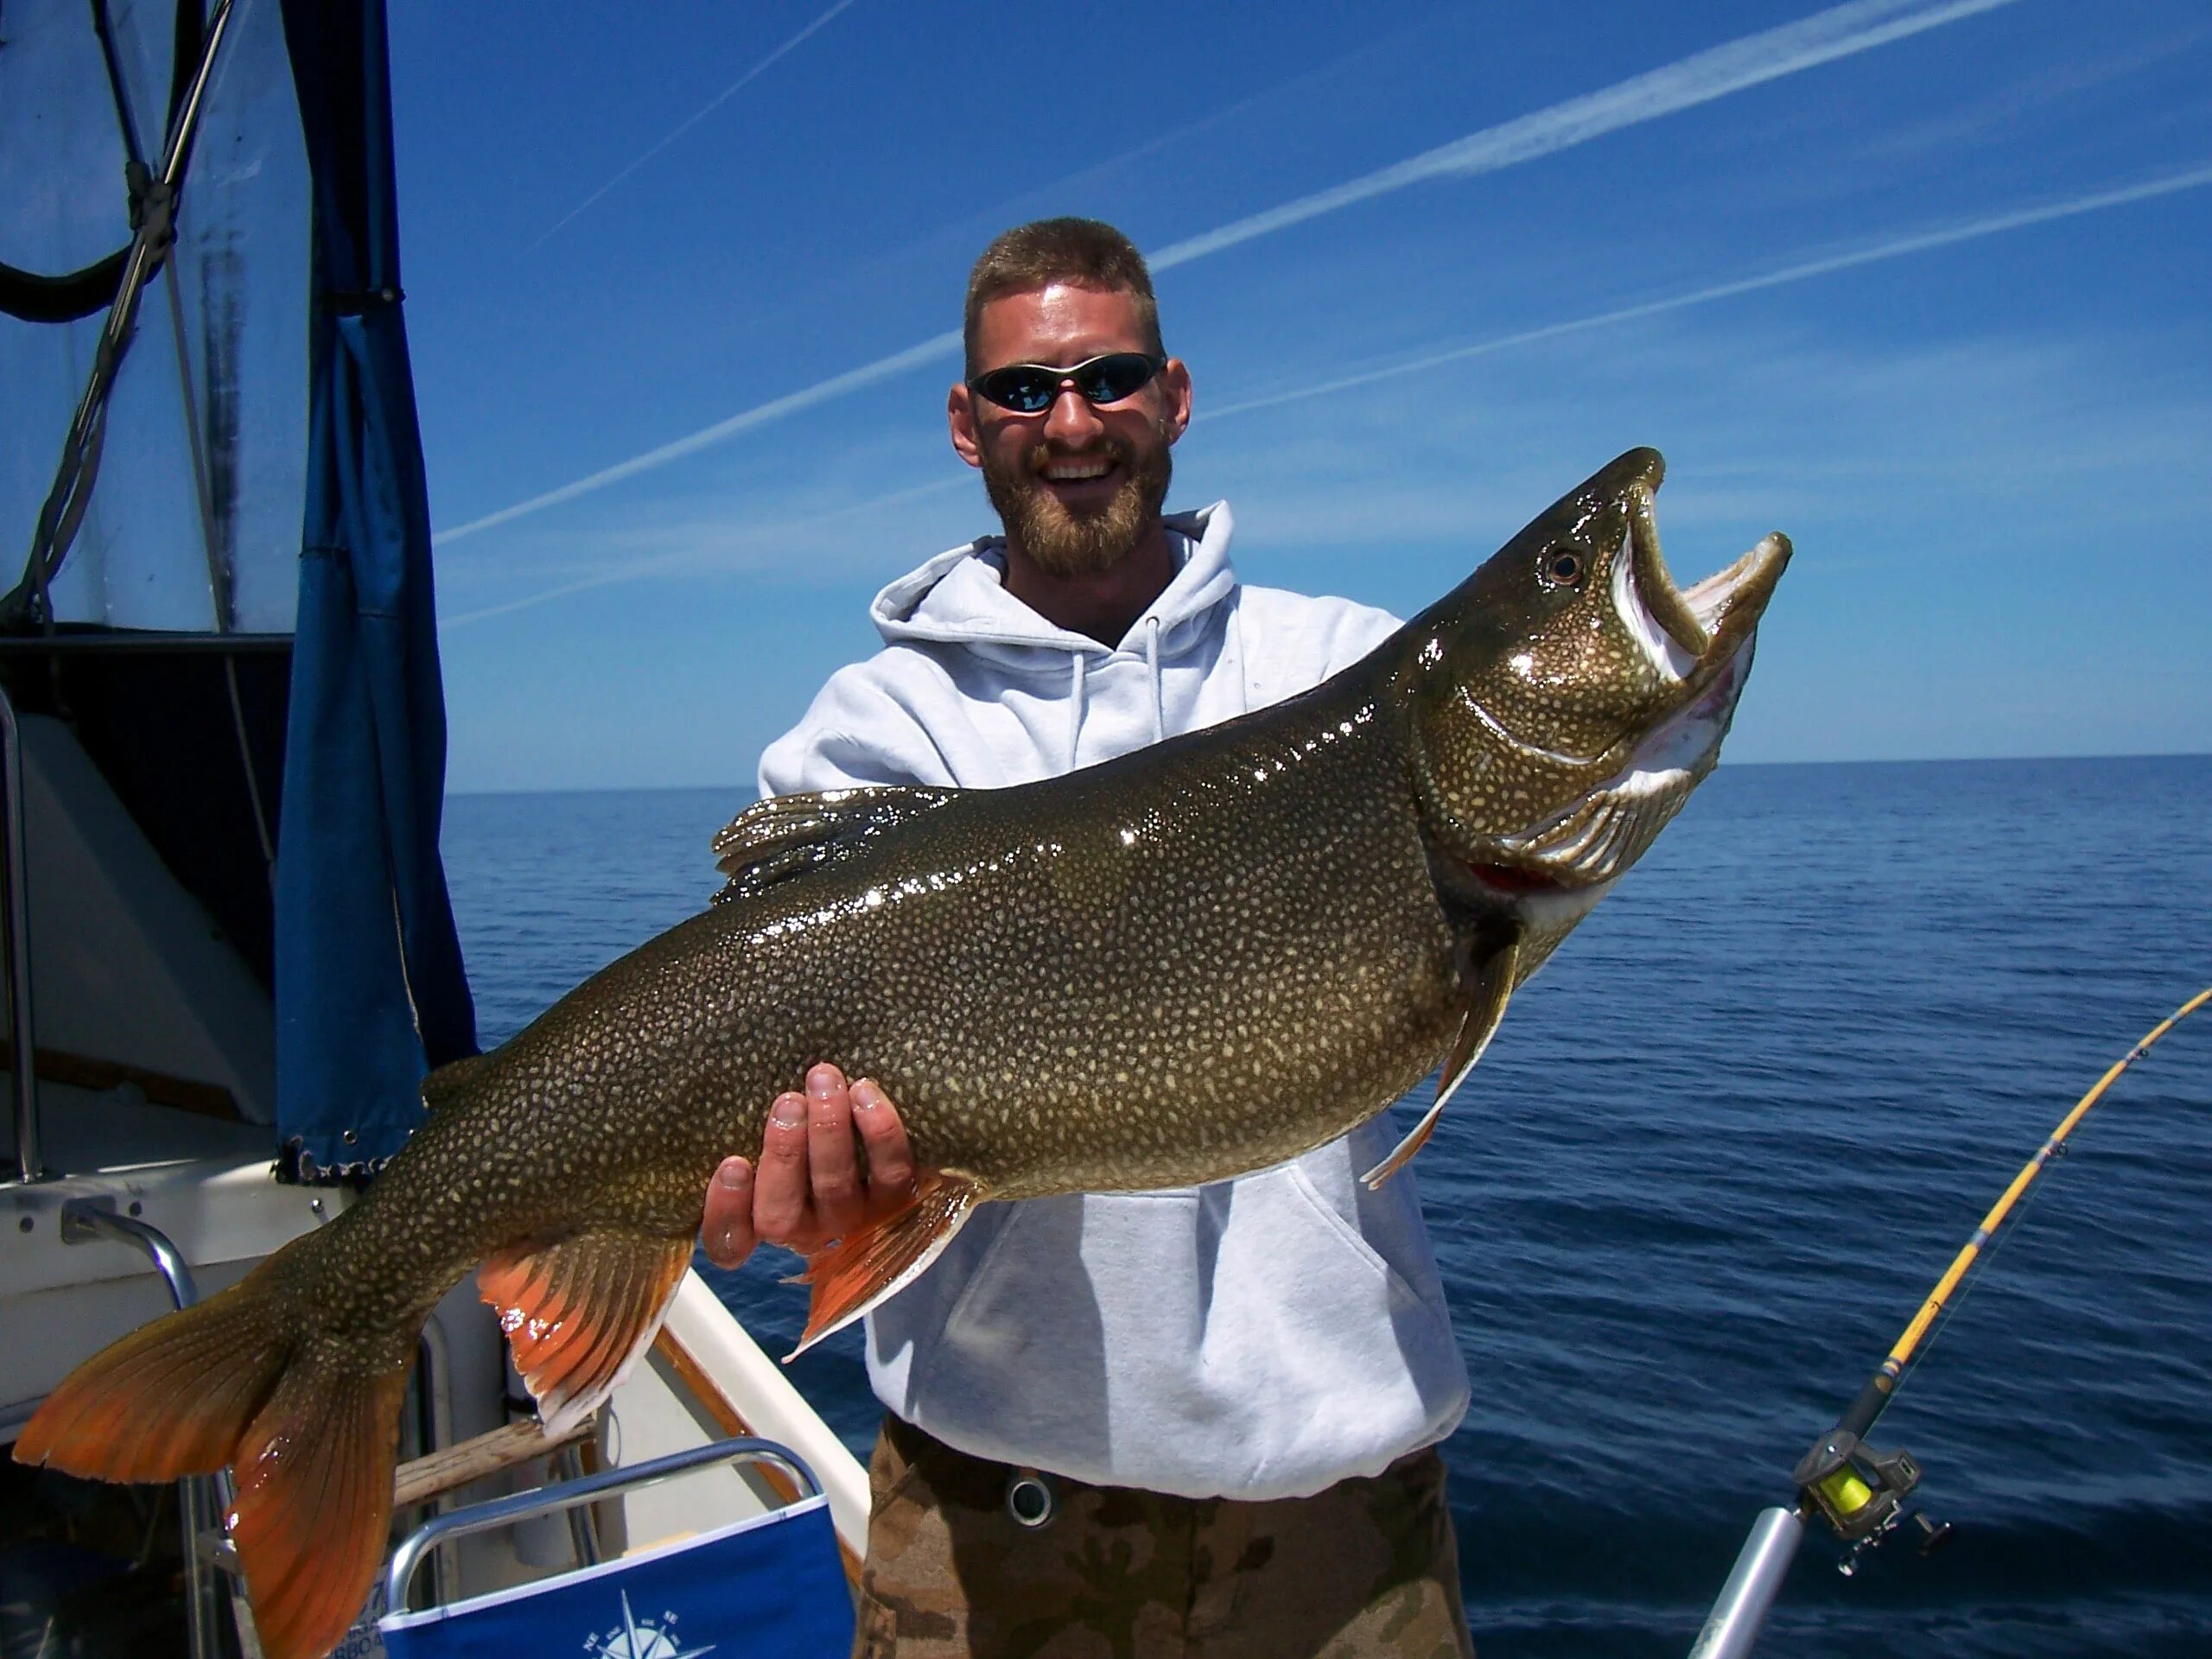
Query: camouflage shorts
(1367, 1568)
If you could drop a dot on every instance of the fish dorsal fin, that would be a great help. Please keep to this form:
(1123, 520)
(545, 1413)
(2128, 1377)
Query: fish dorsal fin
(788, 835)
(1488, 987)
(579, 1312)
(878, 1260)
(440, 1085)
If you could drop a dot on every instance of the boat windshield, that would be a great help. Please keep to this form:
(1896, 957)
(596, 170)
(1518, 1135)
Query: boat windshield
(169, 498)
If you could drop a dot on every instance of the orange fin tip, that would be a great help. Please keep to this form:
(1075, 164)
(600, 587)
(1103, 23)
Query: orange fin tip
(314, 1512)
(578, 1311)
(878, 1260)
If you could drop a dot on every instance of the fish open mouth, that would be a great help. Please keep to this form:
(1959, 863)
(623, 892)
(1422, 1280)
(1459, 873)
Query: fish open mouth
(1692, 632)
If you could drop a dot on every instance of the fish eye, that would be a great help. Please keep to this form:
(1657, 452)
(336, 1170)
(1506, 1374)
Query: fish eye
(1561, 567)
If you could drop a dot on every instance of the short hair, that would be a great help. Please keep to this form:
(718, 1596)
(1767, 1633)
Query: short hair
(1084, 252)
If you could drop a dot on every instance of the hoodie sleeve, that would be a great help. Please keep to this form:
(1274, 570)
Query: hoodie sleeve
(855, 732)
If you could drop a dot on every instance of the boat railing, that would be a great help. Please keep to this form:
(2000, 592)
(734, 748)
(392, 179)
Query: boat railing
(30, 1162)
(202, 1500)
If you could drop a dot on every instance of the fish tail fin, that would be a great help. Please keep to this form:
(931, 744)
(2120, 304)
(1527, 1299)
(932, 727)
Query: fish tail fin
(173, 1398)
(313, 1513)
(308, 1420)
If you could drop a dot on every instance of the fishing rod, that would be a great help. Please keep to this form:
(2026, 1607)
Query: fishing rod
(1860, 1492)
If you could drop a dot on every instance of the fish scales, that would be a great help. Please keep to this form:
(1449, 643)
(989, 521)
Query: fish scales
(1198, 960)
(1039, 977)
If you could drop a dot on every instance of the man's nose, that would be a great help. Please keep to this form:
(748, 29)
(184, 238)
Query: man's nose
(1072, 420)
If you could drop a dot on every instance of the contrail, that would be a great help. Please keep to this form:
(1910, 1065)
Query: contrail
(1701, 77)
(1750, 60)
(822, 392)
(713, 103)
(1871, 253)
(640, 568)
(1894, 248)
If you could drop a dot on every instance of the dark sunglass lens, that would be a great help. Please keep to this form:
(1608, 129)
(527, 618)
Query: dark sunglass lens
(1022, 388)
(1109, 379)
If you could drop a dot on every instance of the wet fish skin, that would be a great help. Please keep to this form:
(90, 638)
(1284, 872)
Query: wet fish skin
(1198, 960)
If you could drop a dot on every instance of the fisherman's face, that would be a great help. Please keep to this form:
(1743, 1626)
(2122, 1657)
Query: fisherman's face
(1077, 485)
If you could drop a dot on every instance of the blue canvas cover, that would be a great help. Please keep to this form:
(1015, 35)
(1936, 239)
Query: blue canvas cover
(770, 1584)
(369, 986)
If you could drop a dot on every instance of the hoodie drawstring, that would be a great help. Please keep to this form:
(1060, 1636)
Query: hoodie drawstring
(1079, 681)
(1075, 702)
(1151, 662)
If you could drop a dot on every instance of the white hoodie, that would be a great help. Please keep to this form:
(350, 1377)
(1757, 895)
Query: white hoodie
(1261, 1338)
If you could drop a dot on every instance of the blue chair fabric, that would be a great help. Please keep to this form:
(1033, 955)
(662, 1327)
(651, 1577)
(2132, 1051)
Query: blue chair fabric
(772, 1585)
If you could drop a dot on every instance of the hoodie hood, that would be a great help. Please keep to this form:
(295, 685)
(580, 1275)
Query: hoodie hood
(959, 598)
(973, 690)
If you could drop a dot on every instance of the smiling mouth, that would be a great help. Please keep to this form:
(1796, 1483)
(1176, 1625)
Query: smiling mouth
(1087, 469)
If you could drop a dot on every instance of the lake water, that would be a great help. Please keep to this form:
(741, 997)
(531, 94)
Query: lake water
(1722, 1148)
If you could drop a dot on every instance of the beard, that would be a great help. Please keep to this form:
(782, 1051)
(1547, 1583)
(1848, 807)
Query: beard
(1064, 542)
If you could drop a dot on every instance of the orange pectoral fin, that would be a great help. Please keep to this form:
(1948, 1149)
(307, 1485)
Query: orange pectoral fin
(577, 1312)
(878, 1260)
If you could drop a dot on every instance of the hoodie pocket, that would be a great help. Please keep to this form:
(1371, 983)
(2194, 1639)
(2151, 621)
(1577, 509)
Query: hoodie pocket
(1350, 1237)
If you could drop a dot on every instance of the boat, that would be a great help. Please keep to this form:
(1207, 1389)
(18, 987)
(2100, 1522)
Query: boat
(229, 954)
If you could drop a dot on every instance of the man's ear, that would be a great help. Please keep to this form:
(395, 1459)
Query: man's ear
(960, 421)
(1175, 387)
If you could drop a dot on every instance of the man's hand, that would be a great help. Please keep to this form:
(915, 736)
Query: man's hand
(812, 1185)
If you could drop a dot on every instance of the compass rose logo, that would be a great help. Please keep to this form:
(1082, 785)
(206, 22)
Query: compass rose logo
(634, 1639)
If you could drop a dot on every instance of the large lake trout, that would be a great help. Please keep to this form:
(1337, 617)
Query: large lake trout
(1195, 961)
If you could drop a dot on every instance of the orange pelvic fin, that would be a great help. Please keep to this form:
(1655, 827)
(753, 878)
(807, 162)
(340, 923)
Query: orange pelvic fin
(878, 1260)
(579, 1312)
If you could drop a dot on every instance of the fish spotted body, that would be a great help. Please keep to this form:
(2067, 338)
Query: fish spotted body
(1200, 959)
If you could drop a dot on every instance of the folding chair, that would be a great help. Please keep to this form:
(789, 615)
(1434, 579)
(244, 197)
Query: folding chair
(770, 1584)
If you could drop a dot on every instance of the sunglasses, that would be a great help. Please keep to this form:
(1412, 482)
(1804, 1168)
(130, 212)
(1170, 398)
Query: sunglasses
(1031, 388)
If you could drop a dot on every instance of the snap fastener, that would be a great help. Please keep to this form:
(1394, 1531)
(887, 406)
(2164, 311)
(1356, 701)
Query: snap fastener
(1031, 1499)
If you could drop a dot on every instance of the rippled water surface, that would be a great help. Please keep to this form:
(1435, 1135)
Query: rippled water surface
(1723, 1146)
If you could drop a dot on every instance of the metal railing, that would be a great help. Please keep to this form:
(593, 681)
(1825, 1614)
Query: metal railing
(571, 1494)
(30, 1159)
(201, 1499)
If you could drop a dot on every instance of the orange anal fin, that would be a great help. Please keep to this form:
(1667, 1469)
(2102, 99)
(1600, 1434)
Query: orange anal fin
(578, 1311)
(1489, 987)
(878, 1260)
(313, 1510)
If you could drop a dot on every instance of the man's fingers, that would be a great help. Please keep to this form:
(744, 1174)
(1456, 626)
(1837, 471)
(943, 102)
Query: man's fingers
(726, 1230)
(780, 1205)
(890, 1156)
(832, 1163)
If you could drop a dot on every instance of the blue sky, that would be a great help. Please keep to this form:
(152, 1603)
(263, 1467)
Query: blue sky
(1919, 282)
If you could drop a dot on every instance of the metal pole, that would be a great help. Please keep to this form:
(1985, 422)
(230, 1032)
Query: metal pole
(200, 1498)
(1733, 1627)
(30, 1159)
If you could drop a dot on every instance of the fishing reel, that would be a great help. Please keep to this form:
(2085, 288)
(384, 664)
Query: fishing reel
(1862, 1493)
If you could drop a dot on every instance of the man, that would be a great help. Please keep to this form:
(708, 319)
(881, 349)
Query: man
(1190, 1422)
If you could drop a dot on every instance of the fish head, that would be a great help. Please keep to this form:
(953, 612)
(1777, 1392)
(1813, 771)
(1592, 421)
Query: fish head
(1566, 699)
